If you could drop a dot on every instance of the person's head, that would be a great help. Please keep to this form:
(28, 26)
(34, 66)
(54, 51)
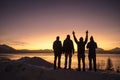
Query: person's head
(68, 36)
(81, 39)
(91, 38)
(57, 38)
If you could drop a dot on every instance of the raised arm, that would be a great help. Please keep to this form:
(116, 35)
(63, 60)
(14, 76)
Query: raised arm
(75, 39)
(86, 39)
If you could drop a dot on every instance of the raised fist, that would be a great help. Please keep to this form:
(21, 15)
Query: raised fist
(87, 31)
(73, 32)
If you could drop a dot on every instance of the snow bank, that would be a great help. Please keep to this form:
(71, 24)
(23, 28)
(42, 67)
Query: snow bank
(38, 69)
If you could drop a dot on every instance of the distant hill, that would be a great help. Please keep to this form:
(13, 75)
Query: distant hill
(112, 51)
(100, 50)
(35, 51)
(6, 49)
(115, 50)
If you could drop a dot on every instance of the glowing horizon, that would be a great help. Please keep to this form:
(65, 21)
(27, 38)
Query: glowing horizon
(45, 43)
(35, 24)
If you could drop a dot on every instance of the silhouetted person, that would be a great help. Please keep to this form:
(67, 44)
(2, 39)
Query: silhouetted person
(68, 50)
(92, 45)
(81, 50)
(57, 47)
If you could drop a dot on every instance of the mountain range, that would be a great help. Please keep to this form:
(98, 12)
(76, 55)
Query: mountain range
(7, 49)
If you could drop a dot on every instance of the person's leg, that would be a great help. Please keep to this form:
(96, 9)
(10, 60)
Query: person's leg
(59, 60)
(90, 63)
(55, 58)
(66, 56)
(83, 61)
(70, 60)
(94, 62)
(79, 63)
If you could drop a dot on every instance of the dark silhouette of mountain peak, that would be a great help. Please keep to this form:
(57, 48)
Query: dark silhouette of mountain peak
(117, 49)
(6, 49)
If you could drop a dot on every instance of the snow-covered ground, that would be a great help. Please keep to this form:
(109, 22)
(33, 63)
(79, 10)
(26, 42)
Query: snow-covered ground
(38, 69)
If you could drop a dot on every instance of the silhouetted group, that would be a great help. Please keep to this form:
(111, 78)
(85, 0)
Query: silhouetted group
(68, 50)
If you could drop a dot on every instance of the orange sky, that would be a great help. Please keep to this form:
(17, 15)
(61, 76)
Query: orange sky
(35, 24)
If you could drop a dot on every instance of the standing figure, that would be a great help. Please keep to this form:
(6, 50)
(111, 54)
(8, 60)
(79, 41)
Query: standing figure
(81, 50)
(57, 47)
(68, 50)
(92, 45)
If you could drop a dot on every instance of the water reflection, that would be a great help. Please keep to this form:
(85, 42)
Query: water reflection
(101, 58)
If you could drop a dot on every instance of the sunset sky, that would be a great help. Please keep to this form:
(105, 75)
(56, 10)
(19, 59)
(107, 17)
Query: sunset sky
(34, 24)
